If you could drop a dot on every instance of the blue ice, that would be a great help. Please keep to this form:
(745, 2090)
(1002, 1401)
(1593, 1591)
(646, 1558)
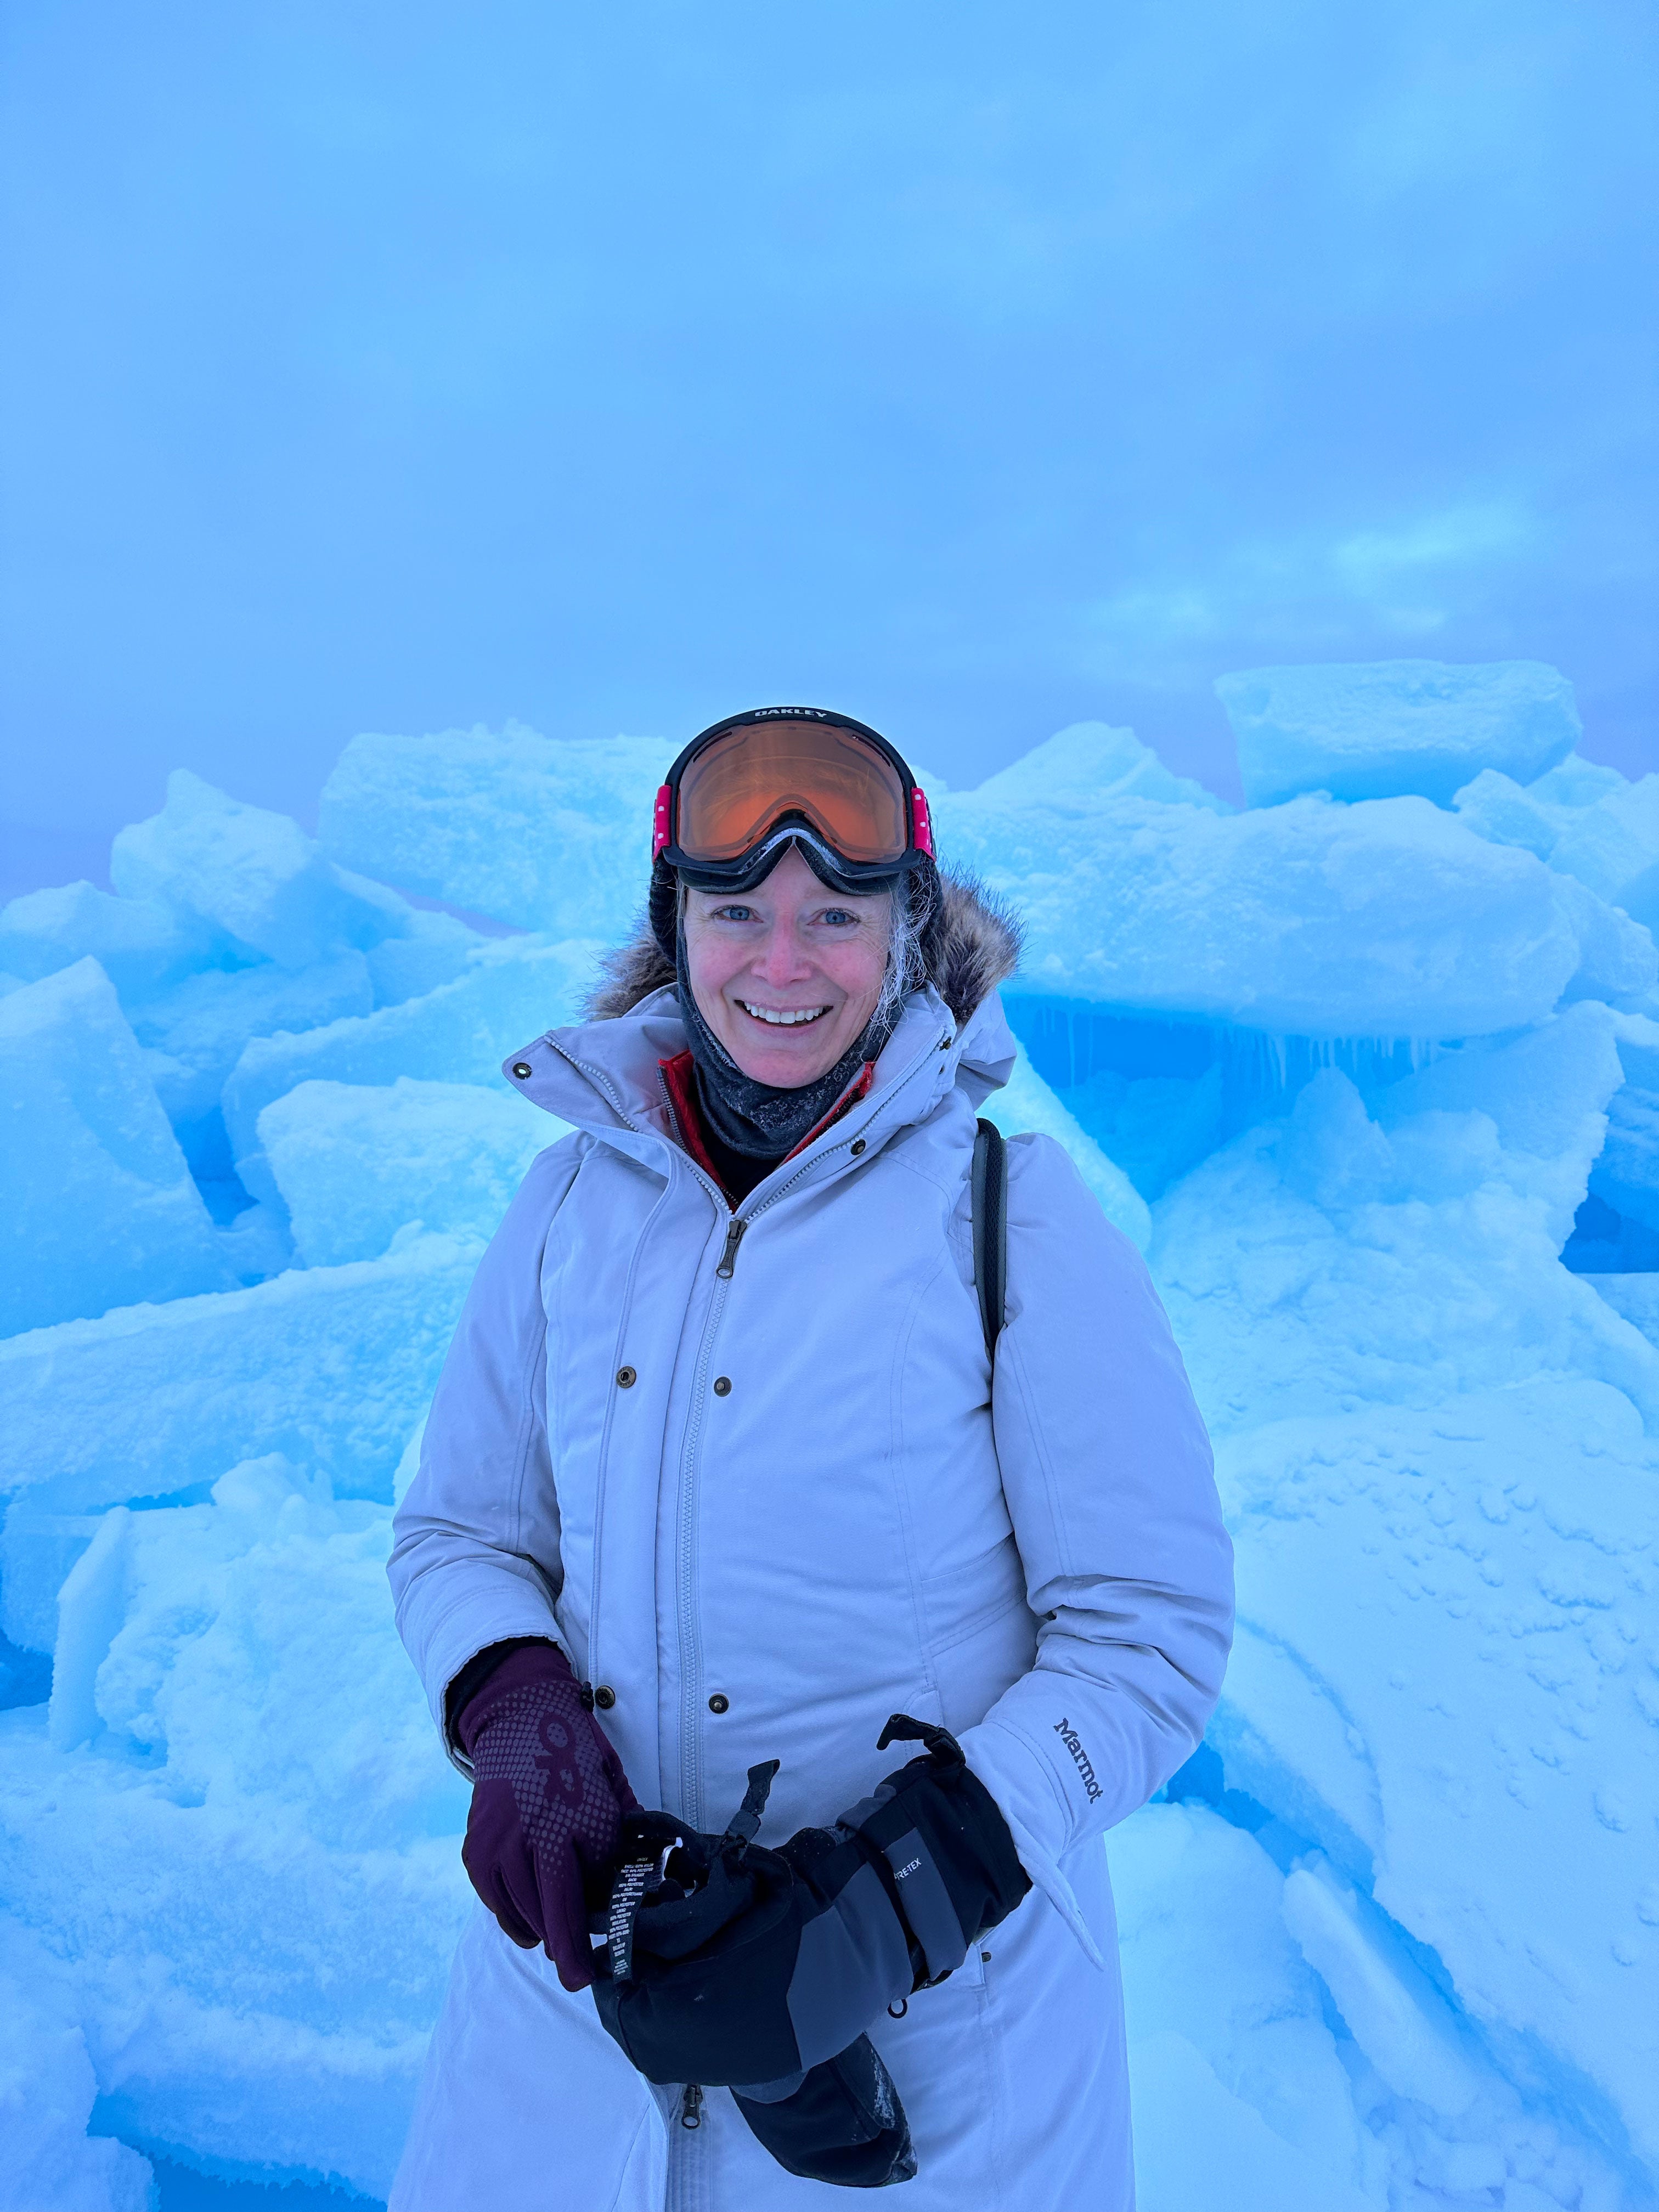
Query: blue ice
(1357, 1067)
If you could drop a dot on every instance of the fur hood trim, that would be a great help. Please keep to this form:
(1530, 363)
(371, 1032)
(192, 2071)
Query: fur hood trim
(977, 947)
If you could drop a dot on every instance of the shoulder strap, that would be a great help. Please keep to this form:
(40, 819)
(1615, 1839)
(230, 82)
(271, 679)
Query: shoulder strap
(989, 1197)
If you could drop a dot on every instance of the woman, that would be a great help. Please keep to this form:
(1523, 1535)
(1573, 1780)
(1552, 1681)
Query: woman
(719, 1448)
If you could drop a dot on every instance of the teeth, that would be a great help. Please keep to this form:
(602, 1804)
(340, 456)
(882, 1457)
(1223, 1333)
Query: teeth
(781, 1019)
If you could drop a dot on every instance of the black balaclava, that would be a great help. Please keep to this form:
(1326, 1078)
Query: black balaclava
(763, 1120)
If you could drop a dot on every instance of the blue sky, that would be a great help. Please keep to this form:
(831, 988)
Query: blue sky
(976, 368)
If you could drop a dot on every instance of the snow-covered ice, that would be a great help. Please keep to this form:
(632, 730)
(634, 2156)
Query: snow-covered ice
(541, 834)
(1375, 730)
(515, 989)
(1370, 1070)
(355, 1164)
(1386, 919)
(253, 875)
(97, 1207)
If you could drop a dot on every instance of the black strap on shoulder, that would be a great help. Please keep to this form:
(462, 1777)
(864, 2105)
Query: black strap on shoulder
(989, 1192)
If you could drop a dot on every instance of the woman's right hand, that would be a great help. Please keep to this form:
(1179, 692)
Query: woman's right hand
(548, 1796)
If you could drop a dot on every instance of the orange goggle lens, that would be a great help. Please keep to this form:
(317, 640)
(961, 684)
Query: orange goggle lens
(741, 784)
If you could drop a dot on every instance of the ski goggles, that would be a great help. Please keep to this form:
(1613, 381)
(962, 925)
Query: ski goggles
(755, 781)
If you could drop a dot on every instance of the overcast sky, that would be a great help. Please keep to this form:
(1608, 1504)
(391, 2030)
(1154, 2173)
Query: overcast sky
(974, 367)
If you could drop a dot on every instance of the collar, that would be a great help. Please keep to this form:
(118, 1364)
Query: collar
(679, 1080)
(605, 1078)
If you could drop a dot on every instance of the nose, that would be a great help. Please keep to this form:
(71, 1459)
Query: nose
(782, 959)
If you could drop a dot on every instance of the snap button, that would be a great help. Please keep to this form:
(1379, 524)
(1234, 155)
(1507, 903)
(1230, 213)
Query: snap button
(722, 1386)
(719, 1703)
(522, 1068)
(626, 1378)
(858, 1147)
(605, 1697)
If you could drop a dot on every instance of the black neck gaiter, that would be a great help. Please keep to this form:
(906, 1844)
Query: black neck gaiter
(760, 1120)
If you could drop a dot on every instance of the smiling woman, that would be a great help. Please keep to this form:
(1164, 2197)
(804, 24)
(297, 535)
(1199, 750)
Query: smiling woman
(788, 976)
(722, 1473)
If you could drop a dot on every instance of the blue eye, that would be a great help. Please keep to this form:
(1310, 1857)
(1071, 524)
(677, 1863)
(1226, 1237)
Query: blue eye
(838, 914)
(737, 913)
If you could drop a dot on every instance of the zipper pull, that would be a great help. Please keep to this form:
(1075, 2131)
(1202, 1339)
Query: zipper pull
(729, 1257)
(691, 2106)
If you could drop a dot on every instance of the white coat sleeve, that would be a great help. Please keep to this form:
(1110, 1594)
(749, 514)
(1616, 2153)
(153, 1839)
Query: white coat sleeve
(1110, 1487)
(475, 1555)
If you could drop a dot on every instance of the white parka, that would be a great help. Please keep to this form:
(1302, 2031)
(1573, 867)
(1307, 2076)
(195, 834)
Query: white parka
(752, 1470)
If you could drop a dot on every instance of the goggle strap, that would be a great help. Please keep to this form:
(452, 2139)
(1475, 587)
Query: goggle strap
(923, 823)
(662, 822)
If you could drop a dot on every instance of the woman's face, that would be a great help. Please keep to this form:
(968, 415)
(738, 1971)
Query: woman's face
(787, 976)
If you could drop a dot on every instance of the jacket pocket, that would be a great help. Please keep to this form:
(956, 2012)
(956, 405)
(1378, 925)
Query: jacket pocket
(965, 1601)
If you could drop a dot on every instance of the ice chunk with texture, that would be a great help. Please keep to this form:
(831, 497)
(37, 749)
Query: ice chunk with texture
(1618, 960)
(1086, 765)
(1025, 1102)
(1614, 847)
(1462, 1588)
(1338, 1257)
(1382, 729)
(1156, 1127)
(194, 1035)
(1384, 919)
(1391, 2021)
(458, 1033)
(37, 1551)
(1497, 808)
(1626, 1176)
(1635, 1297)
(1206, 1958)
(1576, 782)
(97, 1208)
(250, 1848)
(252, 874)
(552, 834)
(355, 1164)
(47, 2089)
(332, 1366)
(433, 950)
(141, 945)
(1197, 2143)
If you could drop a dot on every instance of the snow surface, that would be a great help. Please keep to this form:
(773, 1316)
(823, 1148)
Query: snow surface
(1357, 1072)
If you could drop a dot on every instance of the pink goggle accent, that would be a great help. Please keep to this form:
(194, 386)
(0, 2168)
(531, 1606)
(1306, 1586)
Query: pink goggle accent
(662, 822)
(924, 823)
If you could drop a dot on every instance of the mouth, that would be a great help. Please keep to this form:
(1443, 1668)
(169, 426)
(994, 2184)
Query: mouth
(784, 1018)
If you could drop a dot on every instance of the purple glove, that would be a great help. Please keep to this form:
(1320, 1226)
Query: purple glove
(548, 1795)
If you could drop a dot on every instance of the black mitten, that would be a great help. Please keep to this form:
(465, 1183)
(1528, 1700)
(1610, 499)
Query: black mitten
(750, 1965)
(935, 1830)
(759, 1970)
(842, 2123)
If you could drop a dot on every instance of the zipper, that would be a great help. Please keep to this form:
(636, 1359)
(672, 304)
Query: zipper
(691, 1807)
(688, 2153)
(738, 1225)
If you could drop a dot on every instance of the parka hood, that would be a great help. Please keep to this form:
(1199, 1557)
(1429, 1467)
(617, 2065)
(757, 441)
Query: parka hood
(977, 947)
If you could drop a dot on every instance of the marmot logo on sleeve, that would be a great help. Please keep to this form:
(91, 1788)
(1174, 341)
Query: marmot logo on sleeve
(1073, 1743)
